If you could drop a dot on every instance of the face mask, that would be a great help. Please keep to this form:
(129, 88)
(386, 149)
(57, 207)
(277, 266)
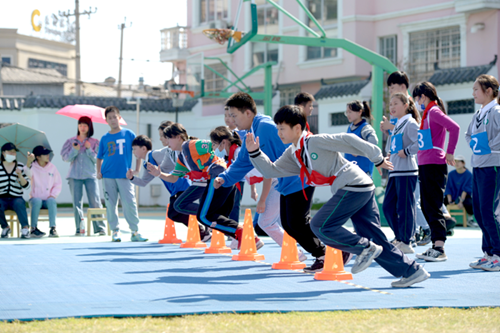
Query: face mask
(10, 158)
(221, 154)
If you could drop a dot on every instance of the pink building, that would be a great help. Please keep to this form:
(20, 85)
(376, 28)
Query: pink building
(448, 42)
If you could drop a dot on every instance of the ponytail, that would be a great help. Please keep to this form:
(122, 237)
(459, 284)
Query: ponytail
(428, 90)
(174, 130)
(362, 107)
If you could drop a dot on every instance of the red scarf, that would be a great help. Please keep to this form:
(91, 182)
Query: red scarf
(230, 158)
(426, 111)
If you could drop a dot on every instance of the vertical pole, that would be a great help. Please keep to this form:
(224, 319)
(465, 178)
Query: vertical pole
(77, 49)
(268, 90)
(119, 89)
(1, 85)
(377, 109)
(137, 109)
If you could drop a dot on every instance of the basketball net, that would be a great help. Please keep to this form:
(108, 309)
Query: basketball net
(222, 35)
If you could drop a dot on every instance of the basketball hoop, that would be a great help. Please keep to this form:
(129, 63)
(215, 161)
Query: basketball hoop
(222, 35)
(187, 92)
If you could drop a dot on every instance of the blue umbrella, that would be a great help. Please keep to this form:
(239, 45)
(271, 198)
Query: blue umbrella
(25, 139)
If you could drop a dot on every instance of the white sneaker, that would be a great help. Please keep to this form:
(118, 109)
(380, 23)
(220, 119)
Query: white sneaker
(480, 262)
(418, 276)
(25, 233)
(302, 256)
(234, 244)
(432, 255)
(493, 265)
(366, 257)
(405, 248)
(5, 232)
(116, 236)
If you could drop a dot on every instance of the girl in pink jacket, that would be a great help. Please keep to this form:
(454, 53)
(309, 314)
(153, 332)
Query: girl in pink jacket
(45, 187)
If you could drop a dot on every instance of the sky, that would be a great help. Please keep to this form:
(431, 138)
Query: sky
(100, 35)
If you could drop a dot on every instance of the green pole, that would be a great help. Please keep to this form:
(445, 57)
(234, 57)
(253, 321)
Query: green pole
(377, 108)
(268, 90)
(296, 20)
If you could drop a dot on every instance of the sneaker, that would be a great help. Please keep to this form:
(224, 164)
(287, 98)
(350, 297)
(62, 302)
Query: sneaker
(234, 244)
(116, 236)
(302, 256)
(258, 243)
(53, 232)
(25, 233)
(405, 248)
(36, 233)
(418, 276)
(102, 232)
(478, 263)
(77, 233)
(346, 257)
(206, 235)
(493, 265)
(426, 238)
(418, 235)
(432, 255)
(366, 257)
(136, 237)
(5, 232)
(394, 242)
(471, 223)
(317, 265)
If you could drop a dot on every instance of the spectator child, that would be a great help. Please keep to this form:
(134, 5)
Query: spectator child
(459, 188)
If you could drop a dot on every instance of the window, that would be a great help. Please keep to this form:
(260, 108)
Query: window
(267, 19)
(388, 48)
(35, 63)
(338, 119)
(6, 60)
(214, 82)
(461, 106)
(440, 46)
(287, 96)
(325, 12)
(174, 39)
(212, 10)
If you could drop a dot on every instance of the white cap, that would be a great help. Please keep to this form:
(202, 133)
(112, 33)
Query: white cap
(460, 158)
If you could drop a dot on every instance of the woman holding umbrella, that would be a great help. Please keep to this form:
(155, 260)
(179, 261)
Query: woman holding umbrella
(81, 152)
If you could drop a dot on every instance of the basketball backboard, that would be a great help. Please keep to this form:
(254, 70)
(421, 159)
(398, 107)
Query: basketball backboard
(195, 77)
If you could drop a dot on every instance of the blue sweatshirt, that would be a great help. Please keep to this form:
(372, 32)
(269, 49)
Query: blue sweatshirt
(271, 144)
(458, 183)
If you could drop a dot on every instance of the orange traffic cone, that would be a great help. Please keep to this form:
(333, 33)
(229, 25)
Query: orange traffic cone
(193, 236)
(169, 237)
(289, 255)
(218, 243)
(248, 251)
(334, 267)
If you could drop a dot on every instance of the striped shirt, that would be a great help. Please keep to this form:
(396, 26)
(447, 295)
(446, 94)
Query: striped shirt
(9, 182)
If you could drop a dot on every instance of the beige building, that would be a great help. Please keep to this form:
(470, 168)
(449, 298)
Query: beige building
(33, 52)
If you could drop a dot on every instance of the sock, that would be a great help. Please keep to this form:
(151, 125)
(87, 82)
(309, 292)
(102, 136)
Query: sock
(438, 248)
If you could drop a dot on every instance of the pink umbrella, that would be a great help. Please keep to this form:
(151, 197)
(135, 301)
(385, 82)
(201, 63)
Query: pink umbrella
(95, 113)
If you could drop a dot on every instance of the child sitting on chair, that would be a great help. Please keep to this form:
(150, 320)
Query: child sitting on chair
(45, 187)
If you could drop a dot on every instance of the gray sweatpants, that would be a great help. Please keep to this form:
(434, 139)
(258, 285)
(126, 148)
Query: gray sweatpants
(362, 209)
(122, 186)
(270, 221)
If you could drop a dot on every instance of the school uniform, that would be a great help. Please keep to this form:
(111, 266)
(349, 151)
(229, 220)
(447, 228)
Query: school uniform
(319, 159)
(163, 158)
(294, 210)
(366, 132)
(400, 203)
(483, 136)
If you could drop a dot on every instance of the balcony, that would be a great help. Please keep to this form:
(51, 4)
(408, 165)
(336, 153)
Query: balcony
(471, 6)
(174, 44)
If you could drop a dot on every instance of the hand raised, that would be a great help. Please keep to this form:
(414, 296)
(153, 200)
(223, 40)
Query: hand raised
(250, 143)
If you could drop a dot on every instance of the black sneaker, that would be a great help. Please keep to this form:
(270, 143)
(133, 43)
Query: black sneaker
(317, 266)
(5, 232)
(346, 257)
(53, 232)
(36, 233)
(426, 237)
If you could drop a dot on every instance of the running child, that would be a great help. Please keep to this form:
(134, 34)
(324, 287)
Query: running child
(142, 149)
(359, 115)
(400, 203)
(432, 164)
(114, 159)
(483, 136)
(294, 209)
(185, 203)
(318, 159)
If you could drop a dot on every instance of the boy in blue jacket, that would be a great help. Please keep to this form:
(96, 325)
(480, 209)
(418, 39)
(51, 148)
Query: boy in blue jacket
(294, 209)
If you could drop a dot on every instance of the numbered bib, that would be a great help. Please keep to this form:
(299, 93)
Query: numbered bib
(396, 143)
(425, 139)
(393, 121)
(479, 144)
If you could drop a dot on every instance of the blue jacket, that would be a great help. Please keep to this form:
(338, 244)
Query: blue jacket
(458, 183)
(271, 144)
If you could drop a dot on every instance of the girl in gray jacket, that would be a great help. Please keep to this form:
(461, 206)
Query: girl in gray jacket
(318, 160)
(402, 146)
